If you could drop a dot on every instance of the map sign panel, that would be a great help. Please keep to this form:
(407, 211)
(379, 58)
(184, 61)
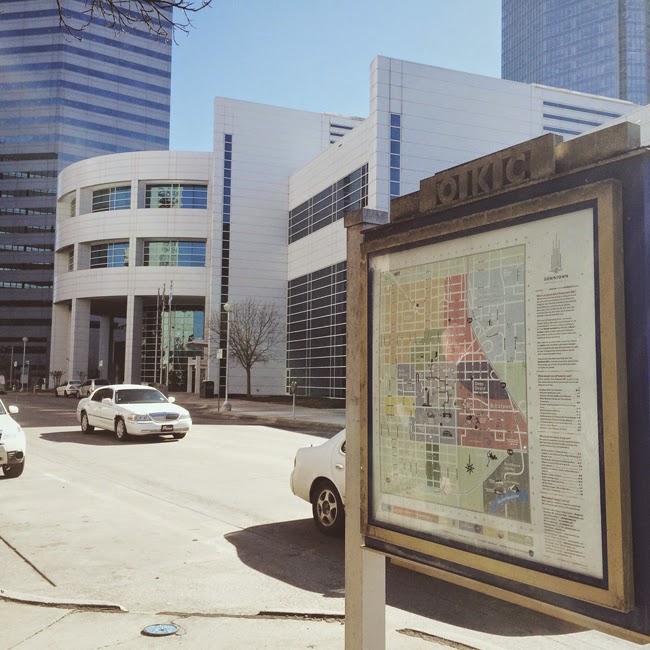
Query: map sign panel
(485, 397)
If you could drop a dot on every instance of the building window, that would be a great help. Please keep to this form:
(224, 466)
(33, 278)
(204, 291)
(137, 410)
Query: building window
(328, 206)
(176, 196)
(316, 332)
(109, 255)
(174, 253)
(71, 260)
(112, 198)
(73, 207)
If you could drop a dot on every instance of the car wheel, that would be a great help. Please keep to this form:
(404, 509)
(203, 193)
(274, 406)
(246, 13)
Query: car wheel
(85, 427)
(120, 430)
(179, 436)
(327, 509)
(13, 471)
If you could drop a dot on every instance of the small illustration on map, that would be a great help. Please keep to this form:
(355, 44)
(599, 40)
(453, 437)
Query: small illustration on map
(452, 383)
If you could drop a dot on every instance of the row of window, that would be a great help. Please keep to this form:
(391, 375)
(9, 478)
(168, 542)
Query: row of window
(156, 253)
(25, 285)
(90, 72)
(328, 206)
(7, 230)
(167, 195)
(117, 44)
(51, 173)
(66, 102)
(29, 212)
(316, 332)
(23, 248)
(23, 193)
(133, 99)
(69, 48)
(51, 121)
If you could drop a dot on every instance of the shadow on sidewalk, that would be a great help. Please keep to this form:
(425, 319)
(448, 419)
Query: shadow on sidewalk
(320, 565)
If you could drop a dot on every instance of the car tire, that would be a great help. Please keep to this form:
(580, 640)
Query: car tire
(179, 436)
(85, 426)
(327, 509)
(120, 430)
(13, 471)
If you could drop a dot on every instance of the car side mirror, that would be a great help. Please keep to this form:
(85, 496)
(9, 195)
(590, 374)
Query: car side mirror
(171, 399)
(107, 400)
(13, 409)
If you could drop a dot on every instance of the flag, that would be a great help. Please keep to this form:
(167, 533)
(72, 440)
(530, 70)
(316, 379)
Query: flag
(169, 300)
(158, 300)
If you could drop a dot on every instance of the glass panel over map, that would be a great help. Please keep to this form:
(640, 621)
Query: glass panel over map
(479, 435)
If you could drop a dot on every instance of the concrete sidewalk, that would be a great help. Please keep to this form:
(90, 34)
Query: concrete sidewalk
(269, 413)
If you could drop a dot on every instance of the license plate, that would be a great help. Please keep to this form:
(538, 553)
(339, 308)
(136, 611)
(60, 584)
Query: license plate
(167, 427)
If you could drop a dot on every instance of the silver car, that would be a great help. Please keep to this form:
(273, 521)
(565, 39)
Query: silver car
(133, 410)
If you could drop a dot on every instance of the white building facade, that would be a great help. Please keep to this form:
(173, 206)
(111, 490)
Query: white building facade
(270, 224)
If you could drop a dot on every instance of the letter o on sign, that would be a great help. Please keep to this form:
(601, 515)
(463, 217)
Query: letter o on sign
(447, 190)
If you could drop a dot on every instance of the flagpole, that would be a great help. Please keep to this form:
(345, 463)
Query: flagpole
(155, 358)
(162, 324)
(169, 330)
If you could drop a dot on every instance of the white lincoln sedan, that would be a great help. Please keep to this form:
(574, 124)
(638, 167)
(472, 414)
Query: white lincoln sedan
(133, 410)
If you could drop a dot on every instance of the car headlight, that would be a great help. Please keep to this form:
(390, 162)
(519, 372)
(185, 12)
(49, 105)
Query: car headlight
(138, 418)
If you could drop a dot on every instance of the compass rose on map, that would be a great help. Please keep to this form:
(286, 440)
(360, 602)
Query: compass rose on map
(469, 467)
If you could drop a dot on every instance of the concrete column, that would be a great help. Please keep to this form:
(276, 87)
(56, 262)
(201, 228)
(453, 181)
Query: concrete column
(59, 351)
(79, 340)
(365, 572)
(104, 344)
(133, 344)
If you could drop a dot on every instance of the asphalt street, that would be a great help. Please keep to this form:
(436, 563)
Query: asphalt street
(206, 528)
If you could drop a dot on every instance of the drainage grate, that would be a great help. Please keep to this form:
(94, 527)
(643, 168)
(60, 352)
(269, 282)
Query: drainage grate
(161, 629)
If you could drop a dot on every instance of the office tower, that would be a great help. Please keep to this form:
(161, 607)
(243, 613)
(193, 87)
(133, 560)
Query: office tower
(593, 46)
(63, 98)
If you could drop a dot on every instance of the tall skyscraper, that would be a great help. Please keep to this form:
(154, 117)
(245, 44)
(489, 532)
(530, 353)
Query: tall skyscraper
(593, 46)
(63, 98)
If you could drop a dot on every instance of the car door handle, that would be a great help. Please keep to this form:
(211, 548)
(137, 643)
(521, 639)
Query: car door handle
(338, 466)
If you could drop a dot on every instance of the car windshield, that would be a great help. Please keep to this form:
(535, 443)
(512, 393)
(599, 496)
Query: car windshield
(139, 396)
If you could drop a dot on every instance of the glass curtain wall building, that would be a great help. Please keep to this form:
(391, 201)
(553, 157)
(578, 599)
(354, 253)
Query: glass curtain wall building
(598, 47)
(64, 99)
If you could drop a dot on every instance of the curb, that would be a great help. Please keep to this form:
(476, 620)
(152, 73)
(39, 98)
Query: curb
(68, 603)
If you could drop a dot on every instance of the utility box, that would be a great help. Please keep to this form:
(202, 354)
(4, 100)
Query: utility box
(207, 389)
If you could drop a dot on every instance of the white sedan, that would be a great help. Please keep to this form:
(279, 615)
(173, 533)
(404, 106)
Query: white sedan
(319, 477)
(12, 443)
(68, 389)
(133, 410)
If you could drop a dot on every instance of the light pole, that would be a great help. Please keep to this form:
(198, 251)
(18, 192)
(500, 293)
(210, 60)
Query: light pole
(11, 370)
(22, 370)
(228, 308)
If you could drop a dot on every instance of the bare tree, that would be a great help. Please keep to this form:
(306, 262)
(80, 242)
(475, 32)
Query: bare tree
(157, 16)
(255, 330)
(56, 376)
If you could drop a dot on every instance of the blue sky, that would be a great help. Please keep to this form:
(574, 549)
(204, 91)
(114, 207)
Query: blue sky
(315, 54)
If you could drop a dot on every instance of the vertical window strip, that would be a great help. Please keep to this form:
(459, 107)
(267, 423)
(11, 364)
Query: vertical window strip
(225, 255)
(395, 154)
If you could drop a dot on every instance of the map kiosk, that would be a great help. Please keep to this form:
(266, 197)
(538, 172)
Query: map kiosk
(498, 384)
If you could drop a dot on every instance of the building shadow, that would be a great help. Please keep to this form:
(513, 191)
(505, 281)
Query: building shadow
(294, 552)
(100, 438)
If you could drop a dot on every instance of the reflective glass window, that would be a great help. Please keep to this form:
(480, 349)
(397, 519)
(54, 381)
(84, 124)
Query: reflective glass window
(176, 196)
(109, 255)
(112, 198)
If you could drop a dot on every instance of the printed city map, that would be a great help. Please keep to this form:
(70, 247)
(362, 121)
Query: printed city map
(484, 392)
(452, 386)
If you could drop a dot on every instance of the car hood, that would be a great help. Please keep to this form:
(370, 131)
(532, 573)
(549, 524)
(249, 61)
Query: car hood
(148, 409)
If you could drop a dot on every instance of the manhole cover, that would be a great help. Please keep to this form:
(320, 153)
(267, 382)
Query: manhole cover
(162, 629)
